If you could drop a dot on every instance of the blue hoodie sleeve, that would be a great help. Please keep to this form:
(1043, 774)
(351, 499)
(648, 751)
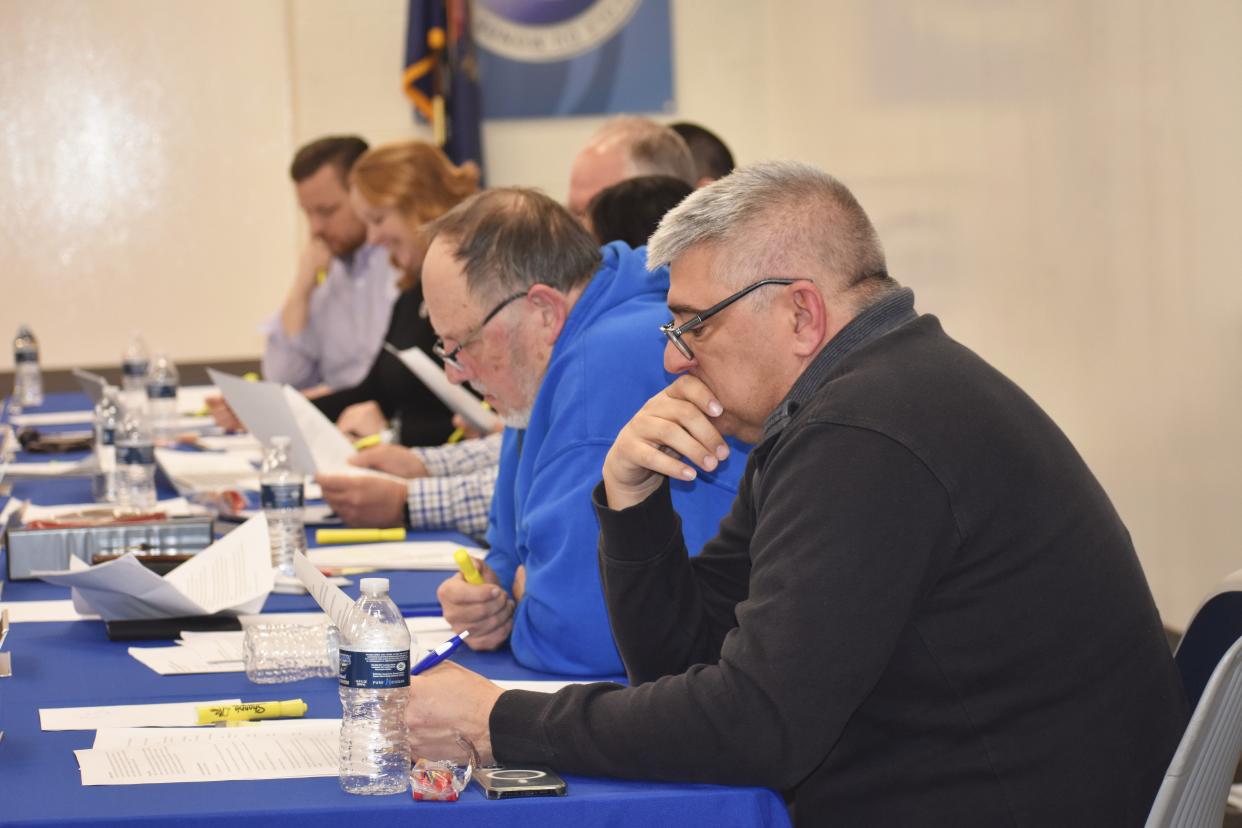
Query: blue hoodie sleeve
(502, 555)
(562, 623)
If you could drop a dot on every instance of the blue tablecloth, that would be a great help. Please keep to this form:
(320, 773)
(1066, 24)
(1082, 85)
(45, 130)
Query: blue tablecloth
(66, 664)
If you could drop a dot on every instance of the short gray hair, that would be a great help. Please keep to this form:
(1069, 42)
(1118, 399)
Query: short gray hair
(652, 149)
(778, 219)
(510, 238)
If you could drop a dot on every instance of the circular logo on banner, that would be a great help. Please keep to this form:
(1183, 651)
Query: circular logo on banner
(542, 31)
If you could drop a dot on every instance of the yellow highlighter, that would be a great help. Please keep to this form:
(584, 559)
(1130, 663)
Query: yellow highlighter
(293, 708)
(466, 564)
(323, 536)
(368, 441)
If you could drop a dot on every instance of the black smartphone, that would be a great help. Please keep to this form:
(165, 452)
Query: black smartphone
(530, 780)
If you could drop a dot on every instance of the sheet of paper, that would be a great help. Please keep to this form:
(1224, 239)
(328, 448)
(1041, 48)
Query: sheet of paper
(330, 598)
(262, 408)
(192, 399)
(455, 397)
(217, 645)
(308, 618)
(176, 714)
(276, 754)
(112, 738)
(433, 555)
(28, 611)
(173, 507)
(51, 469)
(187, 422)
(52, 418)
(329, 448)
(241, 445)
(234, 573)
(199, 471)
(180, 661)
(11, 508)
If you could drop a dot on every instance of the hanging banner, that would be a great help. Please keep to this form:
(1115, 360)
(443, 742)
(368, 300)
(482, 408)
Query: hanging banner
(544, 58)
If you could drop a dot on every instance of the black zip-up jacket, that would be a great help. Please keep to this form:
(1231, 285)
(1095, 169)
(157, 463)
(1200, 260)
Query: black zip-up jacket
(922, 610)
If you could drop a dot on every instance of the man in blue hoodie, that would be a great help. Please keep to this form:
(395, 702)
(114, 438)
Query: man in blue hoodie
(562, 339)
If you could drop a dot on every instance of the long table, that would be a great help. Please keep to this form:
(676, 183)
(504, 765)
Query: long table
(65, 664)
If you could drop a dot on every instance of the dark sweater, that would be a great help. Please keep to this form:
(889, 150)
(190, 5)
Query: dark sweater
(425, 421)
(922, 610)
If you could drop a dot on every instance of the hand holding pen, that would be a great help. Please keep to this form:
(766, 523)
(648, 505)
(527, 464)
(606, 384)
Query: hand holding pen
(440, 653)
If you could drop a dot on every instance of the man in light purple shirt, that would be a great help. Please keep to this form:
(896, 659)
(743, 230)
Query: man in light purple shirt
(332, 323)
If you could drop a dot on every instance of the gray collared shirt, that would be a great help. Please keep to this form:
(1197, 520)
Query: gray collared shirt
(889, 313)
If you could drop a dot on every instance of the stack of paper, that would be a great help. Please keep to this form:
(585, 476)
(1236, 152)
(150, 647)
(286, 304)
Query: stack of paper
(234, 575)
(207, 471)
(290, 749)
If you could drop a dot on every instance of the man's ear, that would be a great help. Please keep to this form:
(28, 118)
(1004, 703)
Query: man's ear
(552, 309)
(809, 317)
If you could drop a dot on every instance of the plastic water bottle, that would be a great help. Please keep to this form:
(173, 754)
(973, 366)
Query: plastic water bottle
(134, 365)
(27, 378)
(135, 461)
(162, 399)
(107, 422)
(374, 677)
(280, 493)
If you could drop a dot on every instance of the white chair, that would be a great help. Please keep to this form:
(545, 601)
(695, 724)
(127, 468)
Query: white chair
(1216, 624)
(1196, 784)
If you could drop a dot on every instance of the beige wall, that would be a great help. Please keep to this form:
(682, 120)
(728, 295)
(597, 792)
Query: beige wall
(142, 146)
(1054, 179)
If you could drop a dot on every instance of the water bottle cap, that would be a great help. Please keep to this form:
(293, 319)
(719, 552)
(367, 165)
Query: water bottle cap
(373, 586)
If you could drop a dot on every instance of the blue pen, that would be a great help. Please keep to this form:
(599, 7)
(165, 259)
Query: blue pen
(440, 653)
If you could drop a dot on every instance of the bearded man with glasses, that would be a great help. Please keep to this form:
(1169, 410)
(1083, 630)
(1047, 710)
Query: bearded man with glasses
(562, 339)
(922, 609)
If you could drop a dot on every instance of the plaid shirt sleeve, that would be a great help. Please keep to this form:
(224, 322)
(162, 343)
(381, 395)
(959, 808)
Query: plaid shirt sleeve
(461, 458)
(455, 501)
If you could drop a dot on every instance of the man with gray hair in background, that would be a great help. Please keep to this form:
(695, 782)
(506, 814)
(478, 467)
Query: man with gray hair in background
(922, 609)
(627, 147)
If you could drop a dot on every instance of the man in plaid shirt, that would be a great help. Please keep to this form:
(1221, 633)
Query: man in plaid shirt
(449, 487)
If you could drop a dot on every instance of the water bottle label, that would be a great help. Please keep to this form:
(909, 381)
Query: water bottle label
(107, 436)
(25, 355)
(375, 671)
(135, 455)
(281, 495)
(134, 368)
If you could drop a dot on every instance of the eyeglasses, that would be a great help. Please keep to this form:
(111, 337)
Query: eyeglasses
(674, 331)
(451, 356)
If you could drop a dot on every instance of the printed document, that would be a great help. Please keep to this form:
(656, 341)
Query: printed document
(270, 750)
(234, 575)
(176, 714)
(455, 397)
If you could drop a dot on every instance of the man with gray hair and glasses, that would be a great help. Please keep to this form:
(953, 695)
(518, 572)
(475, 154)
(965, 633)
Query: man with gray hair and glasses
(922, 609)
(562, 339)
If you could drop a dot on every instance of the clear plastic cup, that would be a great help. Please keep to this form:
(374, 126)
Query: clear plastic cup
(275, 653)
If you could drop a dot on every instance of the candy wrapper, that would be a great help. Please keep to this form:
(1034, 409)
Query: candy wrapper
(443, 780)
